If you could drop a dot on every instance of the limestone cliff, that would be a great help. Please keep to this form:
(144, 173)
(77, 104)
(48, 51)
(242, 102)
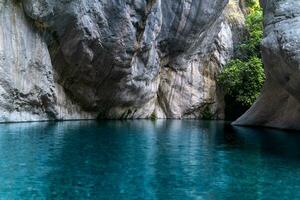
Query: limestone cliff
(279, 104)
(28, 90)
(62, 59)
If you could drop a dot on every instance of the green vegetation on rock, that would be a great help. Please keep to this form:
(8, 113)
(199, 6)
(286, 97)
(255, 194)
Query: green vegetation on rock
(243, 80)
(153, 116)
(207, 114)
(243, 77)
(254, 26)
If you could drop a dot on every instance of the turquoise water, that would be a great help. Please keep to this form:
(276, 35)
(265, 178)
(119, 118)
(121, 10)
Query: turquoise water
(147, 160)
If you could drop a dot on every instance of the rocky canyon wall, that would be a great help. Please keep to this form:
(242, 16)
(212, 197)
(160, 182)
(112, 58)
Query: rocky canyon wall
(114, 59)
(118, 59)
(279, 104)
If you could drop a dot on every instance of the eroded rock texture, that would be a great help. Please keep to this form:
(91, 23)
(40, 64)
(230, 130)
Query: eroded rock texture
(28, 91)
(26, 84)
(71, 59)
(279, 104)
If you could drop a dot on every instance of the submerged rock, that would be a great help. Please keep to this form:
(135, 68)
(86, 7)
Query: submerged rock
(279, 104)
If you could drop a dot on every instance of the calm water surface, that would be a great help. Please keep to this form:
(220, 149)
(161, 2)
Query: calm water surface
(147, 160)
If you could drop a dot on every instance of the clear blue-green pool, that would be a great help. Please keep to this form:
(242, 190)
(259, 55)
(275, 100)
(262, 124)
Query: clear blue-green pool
(147, 160)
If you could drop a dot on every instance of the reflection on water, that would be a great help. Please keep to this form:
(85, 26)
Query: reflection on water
(147, 160)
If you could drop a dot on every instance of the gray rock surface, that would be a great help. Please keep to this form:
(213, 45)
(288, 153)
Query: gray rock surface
(28, 91)
(26, 84)
(114, 59)
(279, 104)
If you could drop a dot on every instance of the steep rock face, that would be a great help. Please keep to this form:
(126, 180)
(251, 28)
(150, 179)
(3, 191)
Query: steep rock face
(28, 91)
(114, 59)
(279, 104)
(109, 54)
(26, 84)
(190, 92)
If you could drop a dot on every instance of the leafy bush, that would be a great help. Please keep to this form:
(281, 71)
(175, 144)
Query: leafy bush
(153, 116)
(243, 80)
(207, 114)
(250, 4)
(254, 35)
(243, 77)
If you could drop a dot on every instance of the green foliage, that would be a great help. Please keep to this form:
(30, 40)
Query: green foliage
(243, 80)
(254, 35)
(153, 116)
(243, 77)
(250, 4)
(207, 114)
